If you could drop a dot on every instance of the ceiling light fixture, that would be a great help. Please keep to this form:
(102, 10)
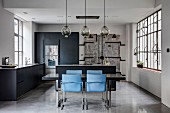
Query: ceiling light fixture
(104, 32)
(66, 31)
(85, 31)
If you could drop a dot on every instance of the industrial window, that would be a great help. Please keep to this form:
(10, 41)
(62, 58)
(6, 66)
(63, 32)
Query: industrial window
(18, 42)
(149, 41)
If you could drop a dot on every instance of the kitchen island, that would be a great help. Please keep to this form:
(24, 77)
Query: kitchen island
(14, 82)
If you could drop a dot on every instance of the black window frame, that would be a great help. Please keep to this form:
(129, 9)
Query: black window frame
(148, 32)
(18, 36)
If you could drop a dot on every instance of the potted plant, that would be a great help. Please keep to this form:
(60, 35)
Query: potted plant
(139, 64)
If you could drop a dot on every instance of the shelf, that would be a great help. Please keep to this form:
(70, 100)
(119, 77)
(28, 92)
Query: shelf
(113, 57)
(81, 44)
(88, 42)
(88, 57)
(122, 60)
(122, 45)
(51, 55)
(81, 60)
(113, 42)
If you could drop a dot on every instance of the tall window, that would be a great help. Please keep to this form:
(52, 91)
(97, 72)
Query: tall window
(149, 41)
(18, 41)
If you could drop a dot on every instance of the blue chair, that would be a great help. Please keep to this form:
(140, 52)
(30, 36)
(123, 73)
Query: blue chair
(95, 83)
(71, 83)
(94, 72)
(73, 71)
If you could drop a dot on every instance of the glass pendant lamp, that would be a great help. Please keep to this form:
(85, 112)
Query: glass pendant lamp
(85, 31)
(104, 32)
(66, 31)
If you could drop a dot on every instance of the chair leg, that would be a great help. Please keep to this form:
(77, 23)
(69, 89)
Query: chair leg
(62, 106)
(65, 97)
(83, 103)
(86, 103)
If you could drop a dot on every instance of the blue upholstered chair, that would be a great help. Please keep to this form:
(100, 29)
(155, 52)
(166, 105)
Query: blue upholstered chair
(71, 83)
(95, 83)
(73, 71)
(94, 72)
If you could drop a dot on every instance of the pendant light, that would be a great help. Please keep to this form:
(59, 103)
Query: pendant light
(85, 31)
(66, 31)
(104, 32)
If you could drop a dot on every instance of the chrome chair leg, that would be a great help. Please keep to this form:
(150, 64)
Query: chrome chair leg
(62, 103)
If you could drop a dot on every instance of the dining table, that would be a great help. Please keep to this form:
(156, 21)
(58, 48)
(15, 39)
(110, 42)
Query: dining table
(109, 79)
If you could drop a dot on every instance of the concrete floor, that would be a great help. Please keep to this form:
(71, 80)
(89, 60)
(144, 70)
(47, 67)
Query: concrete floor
(127, 99)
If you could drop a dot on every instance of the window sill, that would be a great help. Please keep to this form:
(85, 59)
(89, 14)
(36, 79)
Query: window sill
(156, 71)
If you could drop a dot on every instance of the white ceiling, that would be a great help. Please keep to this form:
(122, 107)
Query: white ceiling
(53, 11)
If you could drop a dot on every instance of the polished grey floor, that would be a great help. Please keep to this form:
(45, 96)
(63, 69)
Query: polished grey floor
(127, 99)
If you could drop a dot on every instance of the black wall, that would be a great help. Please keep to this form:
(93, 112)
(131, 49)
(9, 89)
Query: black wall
(68, 47)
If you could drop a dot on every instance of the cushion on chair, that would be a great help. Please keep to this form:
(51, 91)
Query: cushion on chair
(94, 71)
(71, 83)
(96, 83)
(73, 71)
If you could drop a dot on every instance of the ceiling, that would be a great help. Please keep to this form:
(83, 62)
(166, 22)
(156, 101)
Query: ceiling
(117, 11)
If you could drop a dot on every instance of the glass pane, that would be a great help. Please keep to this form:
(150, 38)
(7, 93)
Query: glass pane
(159, 61)
(159, 15)
(16, 58)
(149, 42)
(151, 27)
(149, 60)
(149, 20)
(141, 44)
(145, 22)
(155, 17)
(20, 58)
(16, 43)
(159, 25)
(152, 19)
(159, 40)
(152, 60)
(145, 62)
(155, 41)
(20, 28)
(20, 44)
(155, 26)
(16, 26)
(155, 61)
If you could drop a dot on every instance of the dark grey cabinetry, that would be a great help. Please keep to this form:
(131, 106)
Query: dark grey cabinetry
(16, 82)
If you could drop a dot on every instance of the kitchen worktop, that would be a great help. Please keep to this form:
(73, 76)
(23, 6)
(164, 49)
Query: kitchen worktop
(21, 66)
(83, 65)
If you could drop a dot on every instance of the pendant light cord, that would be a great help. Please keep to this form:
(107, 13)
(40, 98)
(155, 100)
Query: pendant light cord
(66, 12)
(85, 12)
(104, 12)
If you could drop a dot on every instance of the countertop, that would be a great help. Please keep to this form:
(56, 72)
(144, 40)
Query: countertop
(84, 65)
(21, 66)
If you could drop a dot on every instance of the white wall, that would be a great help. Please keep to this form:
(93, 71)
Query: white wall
(94, 29)
(148, 79)
(165, 55)
(130, 45)
(34, 29)
(27, 41)
(6, 34)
